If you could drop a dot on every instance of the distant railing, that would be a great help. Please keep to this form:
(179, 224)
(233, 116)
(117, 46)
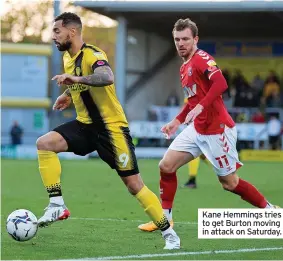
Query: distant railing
(249, 112)
(164, 113)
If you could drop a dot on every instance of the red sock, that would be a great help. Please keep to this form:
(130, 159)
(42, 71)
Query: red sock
(250, 194)
(168, 188)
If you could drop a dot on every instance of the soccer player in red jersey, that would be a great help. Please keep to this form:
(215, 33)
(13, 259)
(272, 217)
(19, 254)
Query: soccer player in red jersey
(211, 130)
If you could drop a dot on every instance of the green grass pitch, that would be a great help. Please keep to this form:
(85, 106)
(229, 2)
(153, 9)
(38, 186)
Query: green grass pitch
(105, 217)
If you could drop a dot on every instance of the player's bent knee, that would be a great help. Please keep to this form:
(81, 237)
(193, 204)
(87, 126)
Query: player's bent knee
(133, 183)
(135, 188)
(166, 167)
(42, 143)
(229, 187)
(229, 182)
(51, 141)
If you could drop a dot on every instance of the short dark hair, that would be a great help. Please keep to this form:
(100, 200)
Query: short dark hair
(68, 18)
(182, 24)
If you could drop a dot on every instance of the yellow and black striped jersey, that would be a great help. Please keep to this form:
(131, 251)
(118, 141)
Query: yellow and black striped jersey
(93, 104)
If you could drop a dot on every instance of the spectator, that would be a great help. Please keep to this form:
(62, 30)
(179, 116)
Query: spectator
(274, 100)
(270, 87)
(258, 117)
(226, 75)
(151, 115)
(172, 100)
(239, 85)
(16, 133)
(227, 94)
(258, 84)
(272, 75)
(244, 93)
(241, 117)
(271, 92)
(237, 79)
(274, 132)
(252, 97)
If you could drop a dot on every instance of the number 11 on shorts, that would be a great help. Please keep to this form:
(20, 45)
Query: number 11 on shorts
(221, 160)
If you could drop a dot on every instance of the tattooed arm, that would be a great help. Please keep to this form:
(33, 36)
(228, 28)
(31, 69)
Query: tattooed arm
(102, 76)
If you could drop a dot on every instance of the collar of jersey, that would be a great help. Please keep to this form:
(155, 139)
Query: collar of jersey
(191, 57)
(78, 53)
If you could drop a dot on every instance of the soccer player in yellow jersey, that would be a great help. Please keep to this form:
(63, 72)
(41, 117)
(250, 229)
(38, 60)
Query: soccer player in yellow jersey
(100, 126)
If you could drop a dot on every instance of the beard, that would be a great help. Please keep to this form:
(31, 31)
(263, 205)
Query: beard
(64, 46)
(186, 53)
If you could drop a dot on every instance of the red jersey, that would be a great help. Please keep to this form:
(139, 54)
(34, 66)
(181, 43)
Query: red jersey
(195, 78)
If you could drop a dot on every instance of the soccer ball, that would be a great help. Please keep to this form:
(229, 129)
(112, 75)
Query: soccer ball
(21, 225)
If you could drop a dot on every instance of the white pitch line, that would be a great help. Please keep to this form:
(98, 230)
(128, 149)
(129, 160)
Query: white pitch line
(209, 252)
(125, 220)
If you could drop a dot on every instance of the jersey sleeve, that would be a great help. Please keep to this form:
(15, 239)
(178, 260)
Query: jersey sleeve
(206, 65)
(183, 113)
(97, 59)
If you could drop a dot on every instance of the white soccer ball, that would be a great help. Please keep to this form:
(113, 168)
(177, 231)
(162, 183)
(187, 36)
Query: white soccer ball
(21, 225)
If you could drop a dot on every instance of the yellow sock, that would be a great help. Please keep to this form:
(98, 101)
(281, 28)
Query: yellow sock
(152, 207)
(50, 171)
(193, 167)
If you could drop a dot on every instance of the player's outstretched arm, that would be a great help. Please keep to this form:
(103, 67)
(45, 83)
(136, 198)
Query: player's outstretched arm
(183, 113)
(102, 76)
(219, 85)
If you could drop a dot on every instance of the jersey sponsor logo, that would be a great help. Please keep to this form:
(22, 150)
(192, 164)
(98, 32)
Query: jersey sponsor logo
(78, 87)
(229, 168)
(100, 63)
(211, 63)
(190, 71)
(190, 91)
(203, 55)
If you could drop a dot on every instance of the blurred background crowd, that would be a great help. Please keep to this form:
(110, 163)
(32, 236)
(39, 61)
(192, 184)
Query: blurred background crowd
(260, 93)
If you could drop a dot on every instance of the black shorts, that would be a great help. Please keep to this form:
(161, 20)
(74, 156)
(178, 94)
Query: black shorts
(113, 144)
(273, 140)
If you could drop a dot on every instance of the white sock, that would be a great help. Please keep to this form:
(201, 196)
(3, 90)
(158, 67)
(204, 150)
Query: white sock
(57, 200)
(269, 205)
(168, 231)
(168, 213)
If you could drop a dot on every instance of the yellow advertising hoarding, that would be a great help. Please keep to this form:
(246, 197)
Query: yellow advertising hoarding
(262, 155)
(250, 66)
